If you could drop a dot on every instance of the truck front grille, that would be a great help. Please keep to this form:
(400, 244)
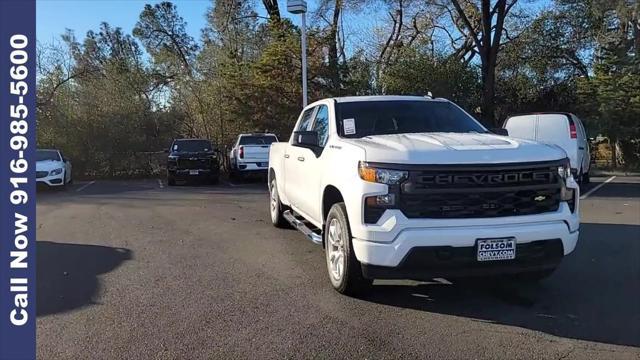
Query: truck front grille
(480, 191)
(194, 164)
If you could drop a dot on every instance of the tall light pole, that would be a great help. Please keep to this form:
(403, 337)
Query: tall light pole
(300, 7)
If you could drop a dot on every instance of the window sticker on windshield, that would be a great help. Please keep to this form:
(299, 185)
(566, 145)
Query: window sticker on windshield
(349, 126)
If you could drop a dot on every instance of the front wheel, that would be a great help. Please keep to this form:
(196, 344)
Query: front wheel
(345, 271)
(276, 209)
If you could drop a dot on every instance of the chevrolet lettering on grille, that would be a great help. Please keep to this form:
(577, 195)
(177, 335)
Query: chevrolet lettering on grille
(489, 179)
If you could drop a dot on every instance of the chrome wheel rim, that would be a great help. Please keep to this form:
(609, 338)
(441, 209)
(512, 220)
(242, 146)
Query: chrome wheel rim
(274, 202)
(335, 250)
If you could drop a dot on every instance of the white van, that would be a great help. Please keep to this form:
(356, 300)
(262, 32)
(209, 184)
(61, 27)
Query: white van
(562, 129)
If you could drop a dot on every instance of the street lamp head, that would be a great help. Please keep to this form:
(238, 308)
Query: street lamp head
(297, 6)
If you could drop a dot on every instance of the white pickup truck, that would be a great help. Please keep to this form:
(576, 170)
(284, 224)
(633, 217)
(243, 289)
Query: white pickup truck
(250, 153)
(405, 187)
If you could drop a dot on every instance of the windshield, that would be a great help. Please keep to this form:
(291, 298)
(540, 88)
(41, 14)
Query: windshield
(257, 140)
(44, 155)
(192, 146)
(359, 119)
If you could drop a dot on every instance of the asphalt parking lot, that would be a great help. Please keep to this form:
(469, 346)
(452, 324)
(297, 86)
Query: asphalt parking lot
(138, 270)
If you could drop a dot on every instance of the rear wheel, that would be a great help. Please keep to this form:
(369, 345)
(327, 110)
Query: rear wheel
(171, 180)
(345, 271)
(276, 209)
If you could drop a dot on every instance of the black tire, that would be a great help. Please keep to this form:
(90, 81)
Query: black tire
(586, 178)
(276, 208)
(171, 180)
(214, 180)
(351, 282)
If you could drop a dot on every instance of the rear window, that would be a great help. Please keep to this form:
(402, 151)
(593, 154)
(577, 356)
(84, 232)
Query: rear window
(192, 146)
(257, 140)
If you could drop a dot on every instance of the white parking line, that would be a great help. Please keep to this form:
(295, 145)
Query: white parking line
(596, 188)
(85, 186)
(160, 183)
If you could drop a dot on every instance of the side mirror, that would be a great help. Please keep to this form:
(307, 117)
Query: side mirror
(306, 138)
(500, 131)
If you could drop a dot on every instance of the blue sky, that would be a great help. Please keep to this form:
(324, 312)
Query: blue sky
(54, 16)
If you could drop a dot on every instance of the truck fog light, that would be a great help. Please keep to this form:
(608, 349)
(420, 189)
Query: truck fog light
(381, 200)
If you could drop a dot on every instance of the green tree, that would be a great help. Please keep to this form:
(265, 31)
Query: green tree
(417, 73)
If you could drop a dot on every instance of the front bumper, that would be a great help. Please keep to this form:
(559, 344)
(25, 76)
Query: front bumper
(393, 252)
(51, 180)
(183, 173)
(423, 263)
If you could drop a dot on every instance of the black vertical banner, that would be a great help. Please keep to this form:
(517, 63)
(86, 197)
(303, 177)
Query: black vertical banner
(17, 179)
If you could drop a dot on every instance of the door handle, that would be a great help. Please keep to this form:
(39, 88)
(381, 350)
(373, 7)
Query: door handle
(300, 158)
(286, 156)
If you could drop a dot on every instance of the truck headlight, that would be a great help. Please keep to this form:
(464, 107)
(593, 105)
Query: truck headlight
(564, 170)
(382, 176)
(56, 172)
(566, 194)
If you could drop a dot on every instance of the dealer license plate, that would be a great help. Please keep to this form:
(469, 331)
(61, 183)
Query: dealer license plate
(193, 172)
(496, 249)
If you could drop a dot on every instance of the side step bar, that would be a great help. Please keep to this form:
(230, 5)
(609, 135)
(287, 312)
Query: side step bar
(298, 224)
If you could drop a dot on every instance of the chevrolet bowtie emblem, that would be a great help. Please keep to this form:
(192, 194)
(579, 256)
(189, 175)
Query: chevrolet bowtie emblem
(539, 198)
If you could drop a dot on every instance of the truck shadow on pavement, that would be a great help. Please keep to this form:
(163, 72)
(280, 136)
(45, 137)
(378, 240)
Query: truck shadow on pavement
(594, 295)
(67, 274)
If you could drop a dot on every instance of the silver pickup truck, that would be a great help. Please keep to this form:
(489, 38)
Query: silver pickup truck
(250, 154)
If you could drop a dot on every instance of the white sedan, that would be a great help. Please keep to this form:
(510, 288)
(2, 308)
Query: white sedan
(52, 169)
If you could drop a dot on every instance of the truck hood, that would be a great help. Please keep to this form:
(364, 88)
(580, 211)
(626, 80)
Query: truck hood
(454, 148)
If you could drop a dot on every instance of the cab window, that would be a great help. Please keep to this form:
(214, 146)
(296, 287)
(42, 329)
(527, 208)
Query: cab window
(321, 125)
(307, 116)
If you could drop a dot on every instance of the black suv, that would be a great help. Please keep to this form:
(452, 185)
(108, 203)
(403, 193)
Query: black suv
(192, 158)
